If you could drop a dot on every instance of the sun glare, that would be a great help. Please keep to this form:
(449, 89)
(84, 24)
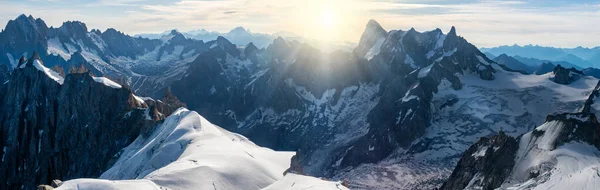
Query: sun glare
(325, 20)
(328, 20)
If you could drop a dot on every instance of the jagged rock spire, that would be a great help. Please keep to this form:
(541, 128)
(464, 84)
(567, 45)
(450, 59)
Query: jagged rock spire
(587, 108)
(452, 31)
(373, 32)
(250, 49)
(22, 61)
(34, 56)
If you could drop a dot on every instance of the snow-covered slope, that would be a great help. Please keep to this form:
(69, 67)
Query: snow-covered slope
(50, 73)
(562, 153)
(188, 152)
(512, 102)
(300, 182)
(574, 165)
(424, 99)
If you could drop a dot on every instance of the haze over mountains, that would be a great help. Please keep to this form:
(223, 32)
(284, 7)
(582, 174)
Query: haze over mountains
(579, 56)
(240, 36)
(403, 110)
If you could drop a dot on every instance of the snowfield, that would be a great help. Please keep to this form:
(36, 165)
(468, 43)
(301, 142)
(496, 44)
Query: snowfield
(300, 182)
(513, 102)
(188, 152)
(573, 165)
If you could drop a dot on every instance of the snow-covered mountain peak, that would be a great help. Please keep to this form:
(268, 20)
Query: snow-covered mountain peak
(188, 152)
(223, 44)
(26, 21)
(239, 31)
(174, 35)
(278, 47)
(371, 40)
(374, 27)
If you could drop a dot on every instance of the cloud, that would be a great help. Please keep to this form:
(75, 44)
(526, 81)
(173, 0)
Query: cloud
(565, 23)
(492, 23)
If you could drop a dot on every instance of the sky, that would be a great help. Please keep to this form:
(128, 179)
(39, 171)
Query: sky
(485, 23)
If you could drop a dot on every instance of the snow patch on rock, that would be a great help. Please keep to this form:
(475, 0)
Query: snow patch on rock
(107, 82)
(50, 73)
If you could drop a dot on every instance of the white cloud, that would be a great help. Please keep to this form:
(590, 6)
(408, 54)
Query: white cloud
(484, 23)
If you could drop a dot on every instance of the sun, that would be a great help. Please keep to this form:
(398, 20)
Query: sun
(325, 20)
(328, 19)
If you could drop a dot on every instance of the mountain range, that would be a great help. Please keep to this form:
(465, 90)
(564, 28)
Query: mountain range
(404, 110)
(579, 56)
(237, 35)
(241, 36)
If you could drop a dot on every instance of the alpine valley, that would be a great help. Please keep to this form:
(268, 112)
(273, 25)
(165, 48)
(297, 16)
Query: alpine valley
(90, 109)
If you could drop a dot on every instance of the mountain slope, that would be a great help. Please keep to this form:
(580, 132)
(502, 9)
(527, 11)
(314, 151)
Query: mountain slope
(188, 152)
(581, 57)
(63, 127)
(562, 153)
(512, 63)
(345, 113)
(144, 64)
(238, 35)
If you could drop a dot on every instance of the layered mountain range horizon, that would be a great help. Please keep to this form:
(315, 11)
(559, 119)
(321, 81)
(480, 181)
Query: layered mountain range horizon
(402, 110)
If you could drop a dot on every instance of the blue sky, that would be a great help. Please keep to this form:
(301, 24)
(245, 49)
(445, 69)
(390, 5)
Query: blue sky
(560, 23)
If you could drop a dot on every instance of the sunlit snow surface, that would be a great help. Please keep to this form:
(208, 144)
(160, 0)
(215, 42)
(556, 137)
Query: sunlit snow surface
(50, 73)
(573, 165)
(188, 152)
(107, 82)
(512, 102)
(300, 182)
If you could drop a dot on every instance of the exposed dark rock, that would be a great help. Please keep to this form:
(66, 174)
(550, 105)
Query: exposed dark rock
(121, 44)
(488, 163)
(295, 166)
(52, 131)
(592, 98)
(373, 32)
(565, 76)
(4, 73)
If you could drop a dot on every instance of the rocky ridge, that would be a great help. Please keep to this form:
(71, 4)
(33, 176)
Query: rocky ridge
(63, 128)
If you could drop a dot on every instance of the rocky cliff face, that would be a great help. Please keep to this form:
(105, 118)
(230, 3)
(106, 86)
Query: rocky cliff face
(55, 128)
(565, 76)
(4, 73)
(486, 164)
